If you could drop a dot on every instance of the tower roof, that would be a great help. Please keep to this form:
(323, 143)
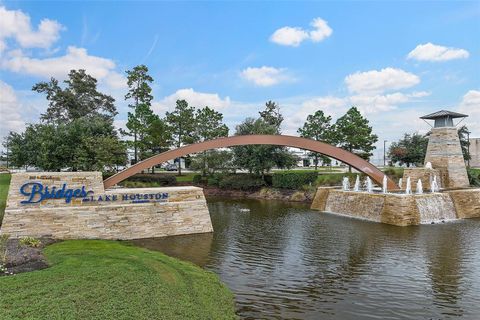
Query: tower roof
(444, 114)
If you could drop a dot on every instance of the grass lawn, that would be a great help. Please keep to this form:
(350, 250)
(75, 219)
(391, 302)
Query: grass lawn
(4, 184)
(186, 177)
(96, 279)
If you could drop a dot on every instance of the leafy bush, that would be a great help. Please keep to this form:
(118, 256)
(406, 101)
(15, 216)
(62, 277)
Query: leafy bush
(157, 179)
(197, 179)
(3, 247)
(335, 179)
(245, 182)
(292, 179)
(214, 180)
(394, 173)
(474, 177)
(30, 242)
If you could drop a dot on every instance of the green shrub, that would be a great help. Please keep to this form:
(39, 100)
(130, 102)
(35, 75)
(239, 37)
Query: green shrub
(156, 178)
(3, 248)
(474, 177)
(292, 179)
(30, 242)
(197, 179)
(335, 179)
(214, 180)
(394, 173)
(245, 182)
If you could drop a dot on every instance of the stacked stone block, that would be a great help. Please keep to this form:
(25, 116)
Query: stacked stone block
(445, 153)
(184, 211)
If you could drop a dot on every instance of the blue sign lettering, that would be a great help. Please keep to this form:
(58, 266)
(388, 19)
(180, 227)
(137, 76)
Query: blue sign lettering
(37, 192)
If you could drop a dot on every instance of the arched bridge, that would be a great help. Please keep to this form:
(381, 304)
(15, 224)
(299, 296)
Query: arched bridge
(290, 141)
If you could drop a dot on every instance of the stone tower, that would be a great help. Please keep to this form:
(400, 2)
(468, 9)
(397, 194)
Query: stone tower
(444, 151)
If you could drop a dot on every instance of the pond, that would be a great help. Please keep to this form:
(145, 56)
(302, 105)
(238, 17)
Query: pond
(285, 261)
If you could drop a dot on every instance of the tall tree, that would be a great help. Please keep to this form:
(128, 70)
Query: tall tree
(75, 132)
(256, 159)
(319, 128)
(353, 133)
(78, 99)
(182, 125)
(411, 149)
(272, 115)
(142, 116)
(260, 159)
(209, 126)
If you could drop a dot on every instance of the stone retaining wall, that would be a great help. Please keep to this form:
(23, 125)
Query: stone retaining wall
(399, 209)
(135, 213)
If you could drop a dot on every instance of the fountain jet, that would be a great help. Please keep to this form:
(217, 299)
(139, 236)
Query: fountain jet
(369, 185)
(408, 188)
(434, 185)
(419, 187)
(384, 184)
(357, 184)
(345, 184)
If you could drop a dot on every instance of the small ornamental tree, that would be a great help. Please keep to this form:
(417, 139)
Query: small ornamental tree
(411, 149)
(463, 135)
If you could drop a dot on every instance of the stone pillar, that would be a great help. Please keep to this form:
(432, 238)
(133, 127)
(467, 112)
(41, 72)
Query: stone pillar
(445, 153)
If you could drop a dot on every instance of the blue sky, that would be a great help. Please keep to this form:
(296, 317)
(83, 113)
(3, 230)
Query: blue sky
(394, 60)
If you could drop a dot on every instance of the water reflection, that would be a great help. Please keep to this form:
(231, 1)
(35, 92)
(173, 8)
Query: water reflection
(194, 248)
(286, 261)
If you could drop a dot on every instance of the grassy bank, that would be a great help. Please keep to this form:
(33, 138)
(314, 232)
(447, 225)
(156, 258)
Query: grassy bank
(94, 279)
(4, 184)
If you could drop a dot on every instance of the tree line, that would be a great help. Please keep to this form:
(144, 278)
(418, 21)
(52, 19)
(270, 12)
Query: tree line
(77, 131)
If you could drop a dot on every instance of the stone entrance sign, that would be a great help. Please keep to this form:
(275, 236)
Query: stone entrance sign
(74, 205)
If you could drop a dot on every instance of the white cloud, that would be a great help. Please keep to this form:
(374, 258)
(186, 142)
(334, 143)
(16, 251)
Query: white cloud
(470, 105)
(294, 36)
(11, 119)
(330, 105)
(265, 76)
(375, 81)
(194, 98)
(369, 104)
(321, 30)
(17, 25)
(432, 52)
(288, 36)
(76, 58)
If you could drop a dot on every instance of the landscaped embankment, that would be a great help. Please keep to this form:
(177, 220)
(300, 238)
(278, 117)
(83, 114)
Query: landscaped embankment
(4, 184)
(94, 279)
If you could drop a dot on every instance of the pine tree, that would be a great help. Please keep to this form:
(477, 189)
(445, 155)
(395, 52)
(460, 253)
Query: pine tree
(142, 116)
(317, 127)
(353, 133)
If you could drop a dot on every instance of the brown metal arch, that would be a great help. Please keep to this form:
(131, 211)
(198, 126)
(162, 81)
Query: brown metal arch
(290, 141)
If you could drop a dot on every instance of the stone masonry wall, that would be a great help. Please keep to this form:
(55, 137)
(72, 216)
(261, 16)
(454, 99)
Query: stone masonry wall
(424, 174)
(399, 209)
(445, 153)
(184, 211)
(359, 204)
(467, 202)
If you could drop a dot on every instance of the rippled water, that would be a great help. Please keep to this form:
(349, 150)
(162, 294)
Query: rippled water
(284, 261)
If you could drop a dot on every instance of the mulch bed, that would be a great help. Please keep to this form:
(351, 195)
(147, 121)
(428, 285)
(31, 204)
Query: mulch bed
(22, 258)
